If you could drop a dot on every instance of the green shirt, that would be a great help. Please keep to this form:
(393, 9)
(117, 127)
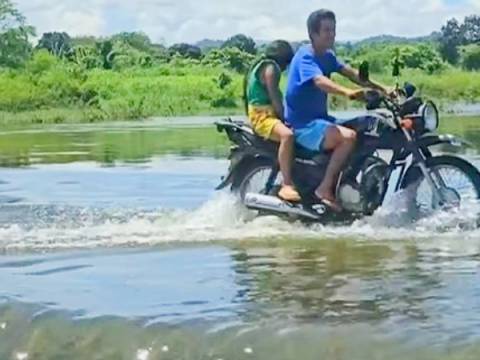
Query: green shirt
(257, 93)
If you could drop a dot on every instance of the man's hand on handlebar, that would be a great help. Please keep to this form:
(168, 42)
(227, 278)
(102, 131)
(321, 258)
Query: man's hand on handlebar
(357, 94)
(392, 92)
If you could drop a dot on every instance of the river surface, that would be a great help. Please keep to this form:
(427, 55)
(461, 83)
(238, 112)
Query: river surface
(114, 245)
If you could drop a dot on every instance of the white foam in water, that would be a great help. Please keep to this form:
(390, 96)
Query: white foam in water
(222, 218)
(142, 354)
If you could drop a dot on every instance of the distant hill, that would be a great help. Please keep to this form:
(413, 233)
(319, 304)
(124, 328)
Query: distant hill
(207, 44)
(391, 39)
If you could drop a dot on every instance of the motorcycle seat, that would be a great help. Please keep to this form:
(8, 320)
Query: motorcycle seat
(300, 151)
(270, 147)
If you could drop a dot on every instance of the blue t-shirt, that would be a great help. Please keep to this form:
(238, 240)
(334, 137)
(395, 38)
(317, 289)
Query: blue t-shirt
(304, 102)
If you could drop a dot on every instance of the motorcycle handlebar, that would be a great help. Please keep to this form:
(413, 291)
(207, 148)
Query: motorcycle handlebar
(374, 98)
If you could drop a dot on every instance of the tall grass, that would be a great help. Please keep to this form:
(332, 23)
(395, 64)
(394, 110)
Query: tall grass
(58, 92)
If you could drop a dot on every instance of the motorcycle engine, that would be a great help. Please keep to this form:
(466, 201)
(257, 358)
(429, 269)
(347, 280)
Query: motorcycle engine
(363, 192)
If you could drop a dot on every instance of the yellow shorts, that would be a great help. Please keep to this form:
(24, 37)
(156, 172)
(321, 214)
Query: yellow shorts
(263, 120)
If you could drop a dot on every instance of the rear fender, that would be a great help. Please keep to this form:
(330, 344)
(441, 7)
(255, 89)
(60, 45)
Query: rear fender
(239, 162)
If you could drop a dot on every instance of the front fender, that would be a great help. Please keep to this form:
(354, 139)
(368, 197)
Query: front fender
(431, 139)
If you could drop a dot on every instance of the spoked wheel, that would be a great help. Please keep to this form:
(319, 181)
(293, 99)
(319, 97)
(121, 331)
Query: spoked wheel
(256, 180)
(461, 180)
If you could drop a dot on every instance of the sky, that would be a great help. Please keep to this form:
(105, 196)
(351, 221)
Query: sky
(173, 21)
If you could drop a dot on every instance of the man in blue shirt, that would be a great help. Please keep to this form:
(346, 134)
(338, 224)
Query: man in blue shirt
(306, 100)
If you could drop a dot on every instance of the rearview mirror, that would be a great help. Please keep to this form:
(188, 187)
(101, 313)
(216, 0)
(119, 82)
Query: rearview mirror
(409, 89)
(364, 72)
(373, 99)
(397, 63)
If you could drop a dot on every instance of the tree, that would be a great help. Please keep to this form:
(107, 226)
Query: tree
(186, 51)
(451, 38)
(471, 29)
(15, 48)
(455, 35)
(57, 43)
(241, 42)
(10, 17)
(137, 40)
(83, 41)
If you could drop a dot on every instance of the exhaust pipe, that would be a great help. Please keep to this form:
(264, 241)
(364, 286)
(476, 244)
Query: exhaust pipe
(276, 205)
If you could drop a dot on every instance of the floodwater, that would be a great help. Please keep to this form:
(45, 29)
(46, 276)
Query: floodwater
(114, 245)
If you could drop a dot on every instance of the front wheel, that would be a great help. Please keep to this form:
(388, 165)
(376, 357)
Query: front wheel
(461, 179)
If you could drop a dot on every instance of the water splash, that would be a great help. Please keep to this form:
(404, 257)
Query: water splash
(220, 219)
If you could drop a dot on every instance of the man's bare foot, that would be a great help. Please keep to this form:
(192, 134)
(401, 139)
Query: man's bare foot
(327, 198)
(288, 193)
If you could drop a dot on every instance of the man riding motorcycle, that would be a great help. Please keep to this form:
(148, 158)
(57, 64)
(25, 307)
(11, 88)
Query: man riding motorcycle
(308, 87)
(402, 123)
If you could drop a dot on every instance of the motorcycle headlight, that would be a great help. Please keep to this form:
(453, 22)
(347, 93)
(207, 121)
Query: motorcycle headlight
(430, 116)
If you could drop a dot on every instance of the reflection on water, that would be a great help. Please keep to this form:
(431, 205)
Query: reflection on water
(290, 299)
(139, 142)
(106, 146)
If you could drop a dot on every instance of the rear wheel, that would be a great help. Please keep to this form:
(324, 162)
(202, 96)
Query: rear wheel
(461, 179)
(254, 177)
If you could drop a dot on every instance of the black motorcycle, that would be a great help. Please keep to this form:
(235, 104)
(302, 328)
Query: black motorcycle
(404, 125)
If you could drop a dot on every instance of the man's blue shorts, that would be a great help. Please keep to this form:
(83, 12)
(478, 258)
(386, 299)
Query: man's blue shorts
(312, 136)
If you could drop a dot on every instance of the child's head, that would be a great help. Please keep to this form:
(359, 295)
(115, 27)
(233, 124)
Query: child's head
(281, 52)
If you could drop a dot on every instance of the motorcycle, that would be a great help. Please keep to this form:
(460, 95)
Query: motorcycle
(404, 125)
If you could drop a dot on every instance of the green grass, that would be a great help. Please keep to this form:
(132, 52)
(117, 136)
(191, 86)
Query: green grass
(62, 94)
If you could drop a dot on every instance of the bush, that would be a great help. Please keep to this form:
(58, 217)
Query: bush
(231, 58)
(42, 61)
(470, 56)
(186, 51)
(423, 57)
(86, 57)
(225, 93)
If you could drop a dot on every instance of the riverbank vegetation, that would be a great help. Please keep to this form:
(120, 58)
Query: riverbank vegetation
(127, 76)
